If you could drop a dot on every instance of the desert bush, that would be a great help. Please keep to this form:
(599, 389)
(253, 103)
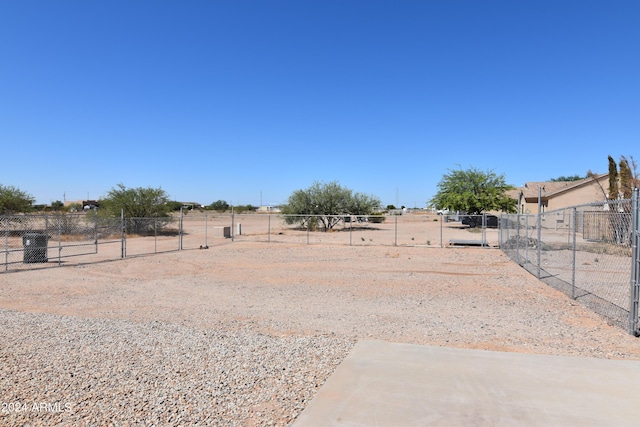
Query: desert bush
(328, 203)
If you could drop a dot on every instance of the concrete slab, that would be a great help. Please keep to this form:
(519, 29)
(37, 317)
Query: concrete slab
(386, 384)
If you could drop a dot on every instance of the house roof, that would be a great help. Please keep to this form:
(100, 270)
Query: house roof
(551, 188)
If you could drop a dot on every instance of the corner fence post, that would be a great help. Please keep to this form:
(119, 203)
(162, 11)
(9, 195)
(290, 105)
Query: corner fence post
(573, 254)
(635, 266)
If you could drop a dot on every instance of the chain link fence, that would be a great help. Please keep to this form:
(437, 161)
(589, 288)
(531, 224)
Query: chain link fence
(588, 252)
(406, 229)
(44, 240)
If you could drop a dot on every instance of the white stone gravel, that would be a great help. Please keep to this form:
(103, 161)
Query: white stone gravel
(114, 372)
(245, 334)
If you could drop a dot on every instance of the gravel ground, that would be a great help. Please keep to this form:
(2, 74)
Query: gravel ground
(244, 334)
(113, 372)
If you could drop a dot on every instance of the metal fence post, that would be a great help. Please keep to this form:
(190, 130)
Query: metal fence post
(6, 244)
(180, 230)
(539, 225)
(635, 266)
(395, 231)
(350, 230)
(518, 219)
(123, 237)
(95, 227)
(526, 237)
(59, 240)
(206, 230)
(233, 223)
(573, 255)
(483, 233)
(269, 228)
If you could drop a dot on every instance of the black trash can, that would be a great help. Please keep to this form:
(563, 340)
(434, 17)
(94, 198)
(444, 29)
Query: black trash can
(35, 247)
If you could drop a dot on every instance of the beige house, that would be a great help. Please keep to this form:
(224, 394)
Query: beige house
(560, 194)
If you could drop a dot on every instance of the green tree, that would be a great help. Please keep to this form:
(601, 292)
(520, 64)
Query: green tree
(146, 209)
(14, 200)
(473, 191)
(622, 182)
(219, 205)
(613, 179)
(627, 178)
(326, 204)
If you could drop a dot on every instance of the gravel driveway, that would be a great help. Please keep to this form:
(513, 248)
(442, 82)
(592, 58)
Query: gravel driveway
(245, 333)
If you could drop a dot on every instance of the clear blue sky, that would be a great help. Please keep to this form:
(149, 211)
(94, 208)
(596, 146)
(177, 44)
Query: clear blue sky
(235, 100)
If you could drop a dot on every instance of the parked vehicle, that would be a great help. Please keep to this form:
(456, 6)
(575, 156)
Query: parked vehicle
(473, 221)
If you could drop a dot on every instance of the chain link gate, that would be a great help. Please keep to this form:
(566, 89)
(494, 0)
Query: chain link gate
(38, 239)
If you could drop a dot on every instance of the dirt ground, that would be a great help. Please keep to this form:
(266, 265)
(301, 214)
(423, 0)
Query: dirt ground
(461, 297)
(243, 332)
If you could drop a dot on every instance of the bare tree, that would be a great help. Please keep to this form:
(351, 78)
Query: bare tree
(594, 177)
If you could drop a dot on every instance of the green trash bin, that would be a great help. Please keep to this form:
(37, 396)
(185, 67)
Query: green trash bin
(35, 247)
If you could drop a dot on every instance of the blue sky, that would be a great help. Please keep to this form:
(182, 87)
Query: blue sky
(247, 101)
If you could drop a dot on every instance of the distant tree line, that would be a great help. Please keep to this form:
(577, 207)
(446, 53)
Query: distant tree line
(567, 178)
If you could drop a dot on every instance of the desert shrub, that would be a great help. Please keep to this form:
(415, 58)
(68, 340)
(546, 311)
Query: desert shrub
(328, 203)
